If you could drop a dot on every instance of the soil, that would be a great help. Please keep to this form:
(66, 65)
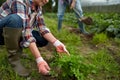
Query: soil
(113, 49)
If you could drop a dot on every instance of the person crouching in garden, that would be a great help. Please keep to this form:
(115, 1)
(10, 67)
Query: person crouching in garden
(18, 18)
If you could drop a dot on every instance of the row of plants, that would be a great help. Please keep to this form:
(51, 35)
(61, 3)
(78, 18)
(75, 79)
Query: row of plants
(72, 68)
(99, 62)
(108, 23)
(97, 66)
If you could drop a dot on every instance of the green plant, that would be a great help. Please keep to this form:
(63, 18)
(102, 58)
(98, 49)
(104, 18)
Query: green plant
(112, 31)
(100, 39)
(117, 40)
(73, 67)
(106, 65)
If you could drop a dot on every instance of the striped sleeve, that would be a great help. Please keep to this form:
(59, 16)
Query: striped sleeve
(41, 24)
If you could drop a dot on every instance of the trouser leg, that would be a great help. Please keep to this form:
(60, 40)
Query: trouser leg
(12, 31)
(40, 41)
(60, 13)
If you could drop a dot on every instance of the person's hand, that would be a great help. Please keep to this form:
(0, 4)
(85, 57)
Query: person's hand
(60, 47)
(42, 66)
(42, 2)
(72, 4)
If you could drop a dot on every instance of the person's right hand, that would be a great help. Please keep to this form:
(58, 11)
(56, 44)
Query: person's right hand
(73, 4)
(60, 47)
(42, 66)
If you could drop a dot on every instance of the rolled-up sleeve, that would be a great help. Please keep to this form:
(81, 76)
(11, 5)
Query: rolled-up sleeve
(20, 9)
(41, 24)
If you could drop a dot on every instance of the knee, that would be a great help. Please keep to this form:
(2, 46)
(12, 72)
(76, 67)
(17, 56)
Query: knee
(15, 18)
(42, 44)
(40, 41)
(15, 21)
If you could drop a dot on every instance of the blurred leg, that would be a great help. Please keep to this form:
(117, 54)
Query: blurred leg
(79, 14)
(60, 14)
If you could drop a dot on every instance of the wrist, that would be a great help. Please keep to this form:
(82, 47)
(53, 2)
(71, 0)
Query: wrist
(39, 59)
(57, 43)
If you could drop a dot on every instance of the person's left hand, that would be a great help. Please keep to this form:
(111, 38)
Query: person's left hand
(60, 47)
(43, 67)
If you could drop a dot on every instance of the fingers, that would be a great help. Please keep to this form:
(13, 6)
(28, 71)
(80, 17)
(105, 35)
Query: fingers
(66, 51)
(72, 6)
(62, 50)
(47, 67)
(60, 47)
(44, 71)
(43, 68)
(45, 1)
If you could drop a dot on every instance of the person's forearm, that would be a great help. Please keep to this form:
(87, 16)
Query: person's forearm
(50, 37)
(34, 50)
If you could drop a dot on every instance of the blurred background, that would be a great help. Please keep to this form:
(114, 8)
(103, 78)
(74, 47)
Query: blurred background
(101, 5)
(88, 5)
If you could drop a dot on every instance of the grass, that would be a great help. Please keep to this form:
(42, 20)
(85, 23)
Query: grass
(107, 67)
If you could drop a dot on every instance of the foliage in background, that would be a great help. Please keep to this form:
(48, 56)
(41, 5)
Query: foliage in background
(1, 1)
(108, 23)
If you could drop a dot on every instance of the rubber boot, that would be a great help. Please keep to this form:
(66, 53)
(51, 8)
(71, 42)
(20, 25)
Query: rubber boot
(11, 39)
(84, 32)
(59, 25)
(1, 37)
(82, 28)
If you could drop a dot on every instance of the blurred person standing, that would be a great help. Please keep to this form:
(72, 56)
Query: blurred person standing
(76, 6)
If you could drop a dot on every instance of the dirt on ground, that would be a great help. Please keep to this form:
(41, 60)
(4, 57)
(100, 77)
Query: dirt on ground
(113, 49)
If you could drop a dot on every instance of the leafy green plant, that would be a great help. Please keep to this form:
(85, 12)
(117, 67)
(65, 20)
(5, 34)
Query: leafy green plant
(106, 23)
(112, 31)
(100, 38)
(73, 68)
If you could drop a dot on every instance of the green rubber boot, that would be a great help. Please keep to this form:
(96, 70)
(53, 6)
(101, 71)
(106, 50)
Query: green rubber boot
(11, 39)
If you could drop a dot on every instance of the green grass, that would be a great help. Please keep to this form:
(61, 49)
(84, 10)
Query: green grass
(108, 69)
(104, 66)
